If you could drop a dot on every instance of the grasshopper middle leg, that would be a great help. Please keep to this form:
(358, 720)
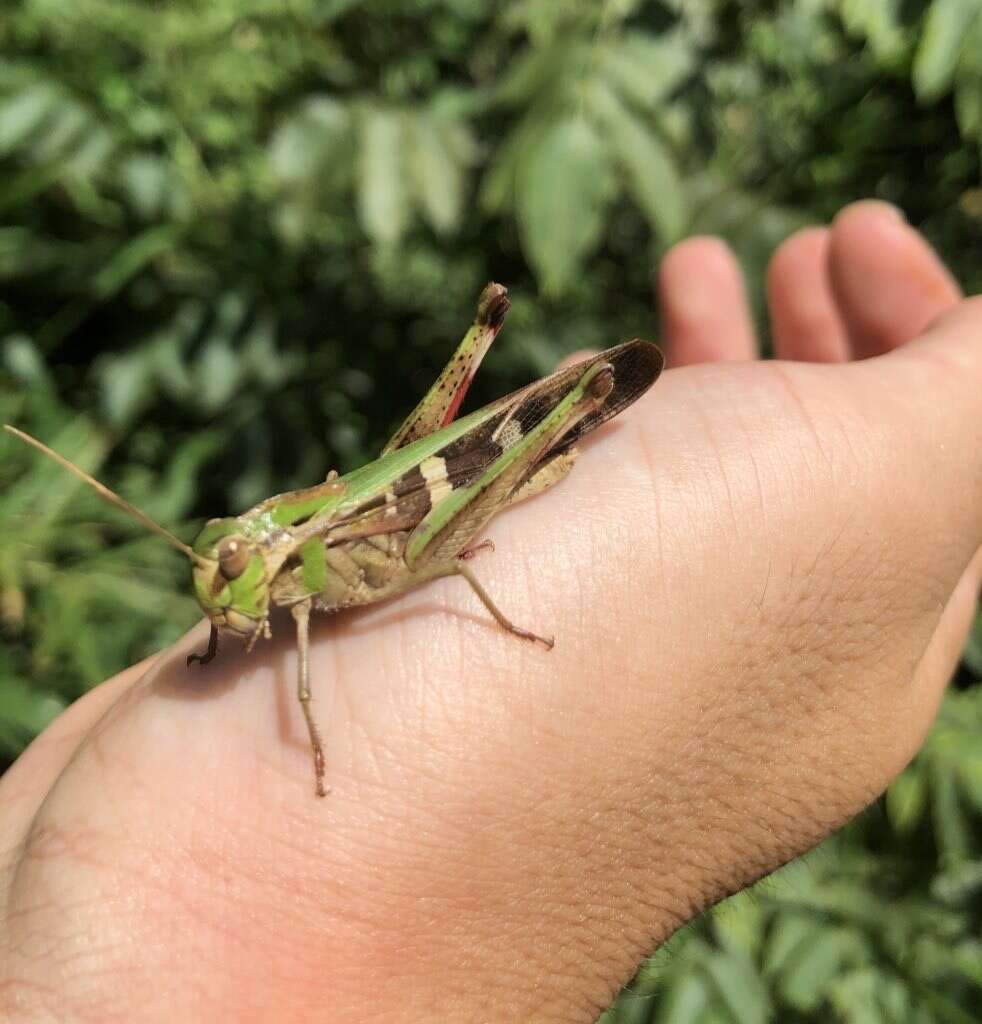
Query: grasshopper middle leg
(301, 614)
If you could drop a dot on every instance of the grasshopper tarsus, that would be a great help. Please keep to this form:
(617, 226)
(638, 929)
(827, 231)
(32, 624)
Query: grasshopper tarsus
(462, 569)
(210, 653)
(485, 545)
(548, 642)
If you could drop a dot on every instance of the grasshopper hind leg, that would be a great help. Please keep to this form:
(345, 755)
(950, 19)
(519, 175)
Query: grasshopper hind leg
(462, 569)
(301, 615)
(210, 653)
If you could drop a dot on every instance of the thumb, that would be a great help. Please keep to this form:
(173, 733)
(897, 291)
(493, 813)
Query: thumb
(948, 358)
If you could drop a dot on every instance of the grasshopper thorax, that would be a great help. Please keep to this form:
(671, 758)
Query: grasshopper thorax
(230, 578)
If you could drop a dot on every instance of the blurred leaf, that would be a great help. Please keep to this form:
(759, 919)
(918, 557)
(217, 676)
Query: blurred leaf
(968, 959)
(437, 177)
(562, 188)
(950, 822)
(942, 40)
(973, 646)
(805, 982)
(739, 924)
(969, 770)
(648, 166)
(383, 197)
(968, 91)
(906, 799)
(878, 21)
(960, 883)
(22, 359)
(327, 10)
(126, 387)
(217, 373)
(306, 144)
(739, 987)
(132, 258)
(24, 112)
(646, 68)
(631, 1008)
(854, 997)
(792, 933)
(24, 712)
(685, 1001)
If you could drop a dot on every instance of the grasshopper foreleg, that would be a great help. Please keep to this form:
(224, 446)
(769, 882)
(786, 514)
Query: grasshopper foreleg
(462, 569)
(301, 614)
(210, 653)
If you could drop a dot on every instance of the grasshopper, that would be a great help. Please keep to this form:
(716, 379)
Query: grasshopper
(410, 516)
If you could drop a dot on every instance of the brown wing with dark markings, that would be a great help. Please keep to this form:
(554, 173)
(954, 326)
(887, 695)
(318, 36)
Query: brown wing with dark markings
(636, 365)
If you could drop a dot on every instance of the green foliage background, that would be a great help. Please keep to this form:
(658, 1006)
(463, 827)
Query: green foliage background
(238, 238)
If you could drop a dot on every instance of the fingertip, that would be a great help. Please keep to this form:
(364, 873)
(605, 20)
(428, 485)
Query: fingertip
(863, 208)
(805, 322)
(703, 303)
(954, 337)
(888, 281)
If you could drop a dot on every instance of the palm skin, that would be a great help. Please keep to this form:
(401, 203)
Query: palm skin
(759, 580)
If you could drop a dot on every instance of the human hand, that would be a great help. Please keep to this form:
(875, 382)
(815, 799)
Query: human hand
(759, 579)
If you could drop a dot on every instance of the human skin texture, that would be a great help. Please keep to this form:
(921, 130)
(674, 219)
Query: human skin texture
(759, 579)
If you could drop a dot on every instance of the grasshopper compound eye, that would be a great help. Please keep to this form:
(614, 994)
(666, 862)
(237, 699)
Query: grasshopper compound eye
(233, 557)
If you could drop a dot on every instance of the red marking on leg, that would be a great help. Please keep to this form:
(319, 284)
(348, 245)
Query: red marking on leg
(450, 415)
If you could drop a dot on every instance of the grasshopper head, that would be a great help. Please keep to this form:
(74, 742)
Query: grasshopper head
(229, 572)
(230, 578)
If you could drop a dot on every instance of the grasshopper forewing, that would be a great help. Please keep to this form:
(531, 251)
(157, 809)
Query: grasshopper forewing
(414, 513)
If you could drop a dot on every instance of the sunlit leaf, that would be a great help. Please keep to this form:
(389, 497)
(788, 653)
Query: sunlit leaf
(306, 144)
(126, 387)
(878, 21)
(941, 42)
(24, 711)
(973, 647)
(906, 799)
(218, 373)
(21, 358)
(562, 186)
(685, 1001)
(647, 68)
(24, 112)
(383, 194)
(951, 825)
(438, 179)
(739, 987)
(649, 168)
(804, 982)
(131, 259)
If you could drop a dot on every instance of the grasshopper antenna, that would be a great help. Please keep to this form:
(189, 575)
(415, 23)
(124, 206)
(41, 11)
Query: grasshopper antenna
(108, 495)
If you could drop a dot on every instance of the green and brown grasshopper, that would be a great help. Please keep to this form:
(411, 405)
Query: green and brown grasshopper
(413, 514)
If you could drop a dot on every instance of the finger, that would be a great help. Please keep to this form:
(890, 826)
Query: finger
(945, 648)
(940, 389)
(575, 357)
(703, 303)
(805, 320)
(27, 781)
(888, 281)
